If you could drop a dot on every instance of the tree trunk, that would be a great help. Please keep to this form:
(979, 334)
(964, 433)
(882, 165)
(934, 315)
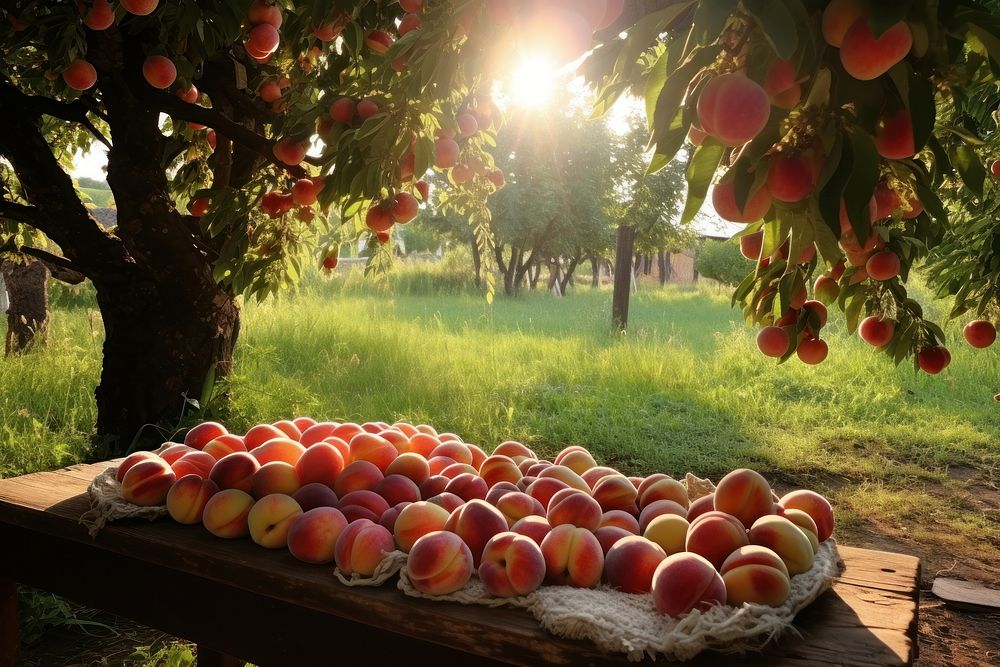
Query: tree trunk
(662, 267)
(28, 311)
(623, 277)
(595, 272)
(567, 276)
(477, 264)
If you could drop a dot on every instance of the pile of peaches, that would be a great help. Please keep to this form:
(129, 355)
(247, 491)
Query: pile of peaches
(349, 493)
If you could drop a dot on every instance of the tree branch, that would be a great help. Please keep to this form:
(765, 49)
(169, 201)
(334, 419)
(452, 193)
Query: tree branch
(19, 212)
(75, 112)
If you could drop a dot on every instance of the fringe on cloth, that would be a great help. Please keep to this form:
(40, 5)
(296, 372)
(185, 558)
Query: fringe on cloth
(392, 563)
(107, 504)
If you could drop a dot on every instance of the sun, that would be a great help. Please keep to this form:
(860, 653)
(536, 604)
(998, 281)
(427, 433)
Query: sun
(532, 83)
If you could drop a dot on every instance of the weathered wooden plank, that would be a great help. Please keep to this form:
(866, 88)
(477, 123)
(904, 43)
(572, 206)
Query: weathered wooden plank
(881, 569)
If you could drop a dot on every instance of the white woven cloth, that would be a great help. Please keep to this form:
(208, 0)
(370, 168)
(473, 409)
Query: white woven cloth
(107, 504)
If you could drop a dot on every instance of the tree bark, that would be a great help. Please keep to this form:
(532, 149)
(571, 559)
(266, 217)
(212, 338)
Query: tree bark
(477, 264)
(662, 267)
(623, 277)
(28, 312)
(567, 276)
(595, 271)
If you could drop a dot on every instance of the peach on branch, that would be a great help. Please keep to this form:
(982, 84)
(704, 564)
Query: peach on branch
(867, 57)
(980, 333)
(512, 565)
(894, 137)
(876, 331)
(270, 518)
(838, 17)
(683, 582)
(573, 557)
(361, 547)
(226, 513)
(80, 75)
(883, 265)
(755, 207)
(733, 109)
(314, 494)
(312, 536)
(439, 563)
(159, 72)
(773, 341)
(630, 563)
(147, 482)
(187, 498)
(812, 351)
(790, 177)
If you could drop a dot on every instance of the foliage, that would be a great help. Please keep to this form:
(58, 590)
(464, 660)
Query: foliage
(721, 261)
(43, 611)
(835, 121)
(163, 654)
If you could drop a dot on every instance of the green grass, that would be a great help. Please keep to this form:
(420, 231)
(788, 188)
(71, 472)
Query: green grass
(684, 390)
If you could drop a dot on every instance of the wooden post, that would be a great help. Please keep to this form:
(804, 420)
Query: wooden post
(10, 632)
(623, 277)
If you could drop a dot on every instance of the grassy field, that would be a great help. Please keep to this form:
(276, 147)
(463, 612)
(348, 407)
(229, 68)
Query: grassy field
(905, 457)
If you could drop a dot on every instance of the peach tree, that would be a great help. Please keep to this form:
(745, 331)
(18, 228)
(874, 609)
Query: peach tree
(849, 136)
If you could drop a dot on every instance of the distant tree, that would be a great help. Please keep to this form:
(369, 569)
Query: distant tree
(721, 261)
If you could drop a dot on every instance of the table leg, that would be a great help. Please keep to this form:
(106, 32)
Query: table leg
(211, 658)
(10, 628)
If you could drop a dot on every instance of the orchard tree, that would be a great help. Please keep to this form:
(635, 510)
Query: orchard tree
(849, 136)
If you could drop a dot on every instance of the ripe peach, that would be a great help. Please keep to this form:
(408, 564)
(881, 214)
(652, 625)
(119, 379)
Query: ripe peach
(339, 445)
(235, 471)
(543, 489)
(980, 333)
(565, 475)
(700, 506)
(174, 451)
(667, 530)
(201, 434)
(223, 445)
(607, 536)
(187, 498)
(790, 177)
(288, 427)
(715, 535)
(773, 341)
(751, 244)
(838, 17)
(615, 492)
(805, 524)
(755, 207)
(573, 557)
(288, 151)
(455, 469)
(456, 451)
(659, 508)
(933, 360)
(620, 519)
(410, 465)
(278, 449)
(439, 563)
(449, 501)
(631, 562)
(321, 431)
(478, 456)
(303, 423)
(883, 265)
(416, 520)
(270, 518)
(733, 109)
(100, 16)
(437, 464)
(132, 459)
(312, 536)
(514, 449)
(876, 331)
(321, 463)
(532, 468)
(397, 489)
(574, 507)
(361, 547)
(445, 153)
(512, 565)
(499, 468)
(867, 57)
(314, 494)
(755, 574)
(535, 527)
(369, 500)
(423, 444)
(274, 477)
(593, 475)
(147, 482)
(499, 490)
(226, 513)
(745, 494)
(779, 78)
(357, 475)
(378, 41)
(661, 487)
(576, 458)
(388, 518)
(894, 136)
(196, 463)
(159, 72)
(374, 449)
(516, 505)
(476, 522)
(433, 485)
(685, 581)
(816, 506)
(785, 539)
(260, 434)
(80, 75)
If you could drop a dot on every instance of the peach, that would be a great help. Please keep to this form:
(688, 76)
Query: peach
(785, 539)
(355, 512)
(344, 431)
(456, 469)
(235, 471)
(609, 535)
(194, 463)
(478, 456)
(416, 520)
(187, 498)
(289, 429)
(981, 334)
(516, 505)
(816, 506)
(397, 439)
(274, 477)
(573, 557)
(313, 495)
(174, 451)
(423, 444)
(226, 513)
(700, 506)
(374, 449)
(499, 468)
(683, 582)
(449, 501)
(369, 500)
(894, 141)
(312, 536)
(202, 434)
(620, 519)
(513, 449)
(320, 463)
(669, 531)
(410, 465)
(449, 437)
(439, 563)
(388, 518)
(755, 574)
(535, 527)
(790, 177)
(733, 108)
(867, 57)
(406, 428)
(147, 482)
(467, 486)
(278, 449)
(805, 523)
(456, 451)
(303, 423)
(574, 507)
(631, 562)
(543, 489)
(838, 17)
(361, 547)
(512, 565)
(260, 434)
(223, 445)
(432, 486)
(134, 458)
(357, 475)
(745, 494)
(566, 476)
(318, 432)
(755, 207)
(476, 522)
(498, 491)
(337, 443)
(526, 464)
(436, 464)
(535, 468)
(659, 508)
(615, 492)
(269, 520)
(576, 458)
(397, 489)
(715, 535)
(593, 475)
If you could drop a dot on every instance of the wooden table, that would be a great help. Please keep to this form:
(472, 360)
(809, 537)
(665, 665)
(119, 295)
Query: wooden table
(235, 599)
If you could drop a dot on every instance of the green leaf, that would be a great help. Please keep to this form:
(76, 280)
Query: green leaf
(642, 34)
(923, 111)
(883, 14)
(988, 39)
(836, 173)
(654, 84)
(777, 25)
(971, 170)
(701, 169)
(710, 18)
(861, 183)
